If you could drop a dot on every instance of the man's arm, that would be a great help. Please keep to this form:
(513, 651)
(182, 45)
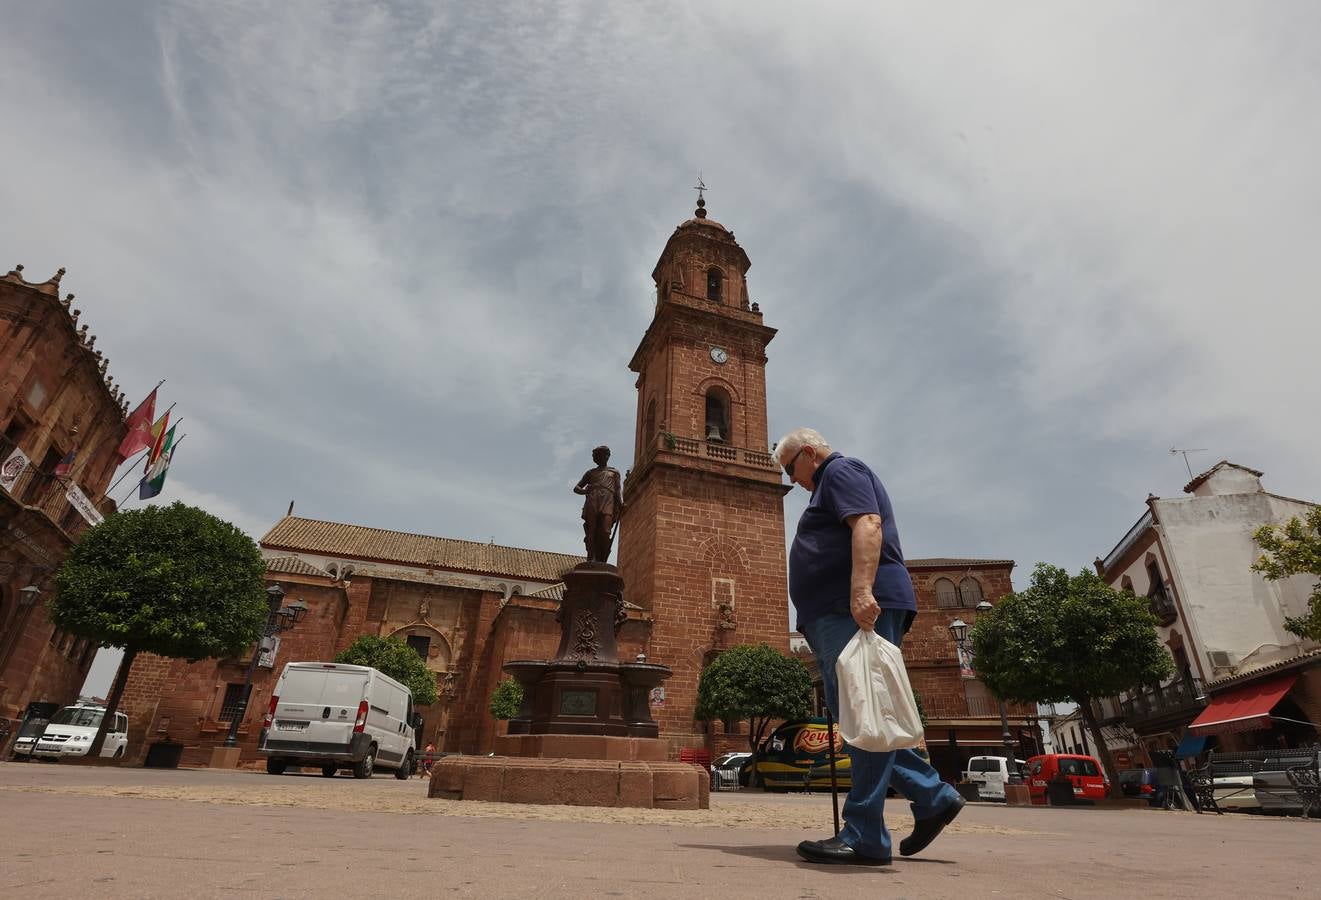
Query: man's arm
(866, 550)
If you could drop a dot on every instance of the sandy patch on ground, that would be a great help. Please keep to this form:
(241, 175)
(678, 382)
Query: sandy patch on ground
(727, 810)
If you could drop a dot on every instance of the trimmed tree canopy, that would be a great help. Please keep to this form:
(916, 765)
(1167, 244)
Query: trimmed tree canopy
(396, 659)
(1068, 638)
(754, 683)
(506, 699)
(1294, 549)
(173, 580)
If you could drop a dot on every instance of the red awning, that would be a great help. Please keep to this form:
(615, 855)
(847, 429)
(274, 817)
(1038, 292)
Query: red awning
(1246, 709)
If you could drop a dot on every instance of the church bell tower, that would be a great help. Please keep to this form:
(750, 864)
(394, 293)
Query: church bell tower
(702, 541)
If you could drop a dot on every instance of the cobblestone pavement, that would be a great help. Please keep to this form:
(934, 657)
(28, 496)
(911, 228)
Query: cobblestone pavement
(105, 832)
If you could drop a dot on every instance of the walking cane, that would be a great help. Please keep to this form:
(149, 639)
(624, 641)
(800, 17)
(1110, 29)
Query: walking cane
(834, 785)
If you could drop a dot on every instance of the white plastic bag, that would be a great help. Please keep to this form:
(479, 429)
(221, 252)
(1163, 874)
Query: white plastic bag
(876, 707)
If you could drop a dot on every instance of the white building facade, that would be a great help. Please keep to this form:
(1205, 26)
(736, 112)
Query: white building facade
(1192, 557)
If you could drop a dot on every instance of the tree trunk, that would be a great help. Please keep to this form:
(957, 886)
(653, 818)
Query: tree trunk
(756, 734)
(1102, 748)
(112, 702)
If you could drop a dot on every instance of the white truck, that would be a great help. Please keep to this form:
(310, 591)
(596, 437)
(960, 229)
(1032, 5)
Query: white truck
(71, 732)
(337, 716)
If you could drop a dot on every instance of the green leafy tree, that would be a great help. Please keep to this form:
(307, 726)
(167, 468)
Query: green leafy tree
(506, 699)
(1294, 549)
(396, 659)
(755, 683)
(1069, 638)
(921, 713)
(170, 580)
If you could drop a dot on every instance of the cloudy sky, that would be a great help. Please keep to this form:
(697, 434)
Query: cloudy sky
(393, 259)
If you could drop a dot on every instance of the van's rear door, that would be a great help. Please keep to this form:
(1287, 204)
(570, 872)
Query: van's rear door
(318, 705)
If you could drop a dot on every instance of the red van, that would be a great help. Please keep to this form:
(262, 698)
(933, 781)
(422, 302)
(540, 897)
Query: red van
(1083, 772)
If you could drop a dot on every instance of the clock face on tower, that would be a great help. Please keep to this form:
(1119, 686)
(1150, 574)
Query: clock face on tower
(719, 356)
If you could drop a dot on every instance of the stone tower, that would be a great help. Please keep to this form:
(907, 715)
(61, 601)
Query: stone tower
(702, 542)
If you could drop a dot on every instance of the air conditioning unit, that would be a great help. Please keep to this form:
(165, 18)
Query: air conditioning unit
(1220, 659)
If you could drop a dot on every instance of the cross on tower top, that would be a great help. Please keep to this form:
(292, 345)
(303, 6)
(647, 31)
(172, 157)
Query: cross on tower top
(701, 201)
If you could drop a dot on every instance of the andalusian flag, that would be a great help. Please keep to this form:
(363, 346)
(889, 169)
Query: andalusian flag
(154, 480)
(157, 440)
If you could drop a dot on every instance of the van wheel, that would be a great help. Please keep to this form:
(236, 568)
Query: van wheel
(405, 770)
(275, 766)
(329, 771)
(363, 768)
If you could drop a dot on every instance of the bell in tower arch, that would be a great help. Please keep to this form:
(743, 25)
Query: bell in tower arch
(717, 415)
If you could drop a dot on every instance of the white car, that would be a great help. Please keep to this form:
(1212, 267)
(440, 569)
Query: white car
(72, 730)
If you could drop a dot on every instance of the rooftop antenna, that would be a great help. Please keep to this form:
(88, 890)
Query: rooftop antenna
(1185, 453)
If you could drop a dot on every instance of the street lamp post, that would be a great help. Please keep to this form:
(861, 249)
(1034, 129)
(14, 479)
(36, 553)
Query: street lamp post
(958, 630)
(277, 620)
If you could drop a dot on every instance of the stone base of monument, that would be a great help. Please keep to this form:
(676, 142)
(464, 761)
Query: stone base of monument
(571, 782)
(582, 746)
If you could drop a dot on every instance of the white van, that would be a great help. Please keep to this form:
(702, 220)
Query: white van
(339, 716)
(990, 773)
(70, 732)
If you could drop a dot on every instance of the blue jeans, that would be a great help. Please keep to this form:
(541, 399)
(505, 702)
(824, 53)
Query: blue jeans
(872, 773)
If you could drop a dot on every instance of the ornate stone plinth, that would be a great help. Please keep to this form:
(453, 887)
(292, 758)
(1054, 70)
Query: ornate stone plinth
(585, 689)
(584, 735)
(571, 782)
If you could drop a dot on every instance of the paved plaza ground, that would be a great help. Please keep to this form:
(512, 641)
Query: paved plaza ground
(108, 833)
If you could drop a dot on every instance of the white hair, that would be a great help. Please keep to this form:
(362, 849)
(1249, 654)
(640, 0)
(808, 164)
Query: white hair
(791, 443)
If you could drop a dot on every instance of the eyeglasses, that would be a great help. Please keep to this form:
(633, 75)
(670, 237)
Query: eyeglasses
(789, 466)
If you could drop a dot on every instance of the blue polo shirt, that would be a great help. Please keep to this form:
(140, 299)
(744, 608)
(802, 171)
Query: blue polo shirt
(821, 558)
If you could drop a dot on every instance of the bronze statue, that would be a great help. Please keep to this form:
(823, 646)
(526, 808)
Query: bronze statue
(603, 506)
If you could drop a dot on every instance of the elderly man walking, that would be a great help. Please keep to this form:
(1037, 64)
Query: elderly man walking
(846, 571)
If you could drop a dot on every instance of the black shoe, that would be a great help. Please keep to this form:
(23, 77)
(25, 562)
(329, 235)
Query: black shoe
(836, 851)
(925, 830)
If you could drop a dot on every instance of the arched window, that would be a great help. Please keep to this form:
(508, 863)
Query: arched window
(713, 284)
(717, 415)
(947, 595)
(970, 592)
(649, 424)
(1156, 584)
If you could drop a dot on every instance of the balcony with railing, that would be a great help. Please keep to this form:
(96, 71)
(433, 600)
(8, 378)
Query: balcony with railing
(1162, 606)
(1182, 697)
(716, 451)
(48, 495)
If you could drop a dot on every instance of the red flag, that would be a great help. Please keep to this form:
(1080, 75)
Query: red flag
(139, 428)
(157, 432)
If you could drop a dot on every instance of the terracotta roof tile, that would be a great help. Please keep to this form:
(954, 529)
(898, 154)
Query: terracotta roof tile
(361, 542)
(944, 562)
(292, 565)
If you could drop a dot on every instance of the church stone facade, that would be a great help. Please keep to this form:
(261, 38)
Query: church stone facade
(701, 551)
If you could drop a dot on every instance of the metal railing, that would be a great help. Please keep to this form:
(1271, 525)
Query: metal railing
(1181, 695)
(1162, 607)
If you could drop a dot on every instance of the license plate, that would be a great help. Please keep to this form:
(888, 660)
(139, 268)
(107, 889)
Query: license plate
(1077, 790)
(291, 726)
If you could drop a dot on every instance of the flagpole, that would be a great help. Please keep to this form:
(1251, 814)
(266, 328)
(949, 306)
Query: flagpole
(125, 475)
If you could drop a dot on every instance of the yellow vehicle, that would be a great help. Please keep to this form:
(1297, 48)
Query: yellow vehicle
(796, 757)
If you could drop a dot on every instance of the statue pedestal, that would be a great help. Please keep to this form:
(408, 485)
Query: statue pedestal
(571, 782)
(582, 746)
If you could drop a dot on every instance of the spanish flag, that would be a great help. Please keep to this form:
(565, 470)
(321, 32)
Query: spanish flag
(157, 440)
